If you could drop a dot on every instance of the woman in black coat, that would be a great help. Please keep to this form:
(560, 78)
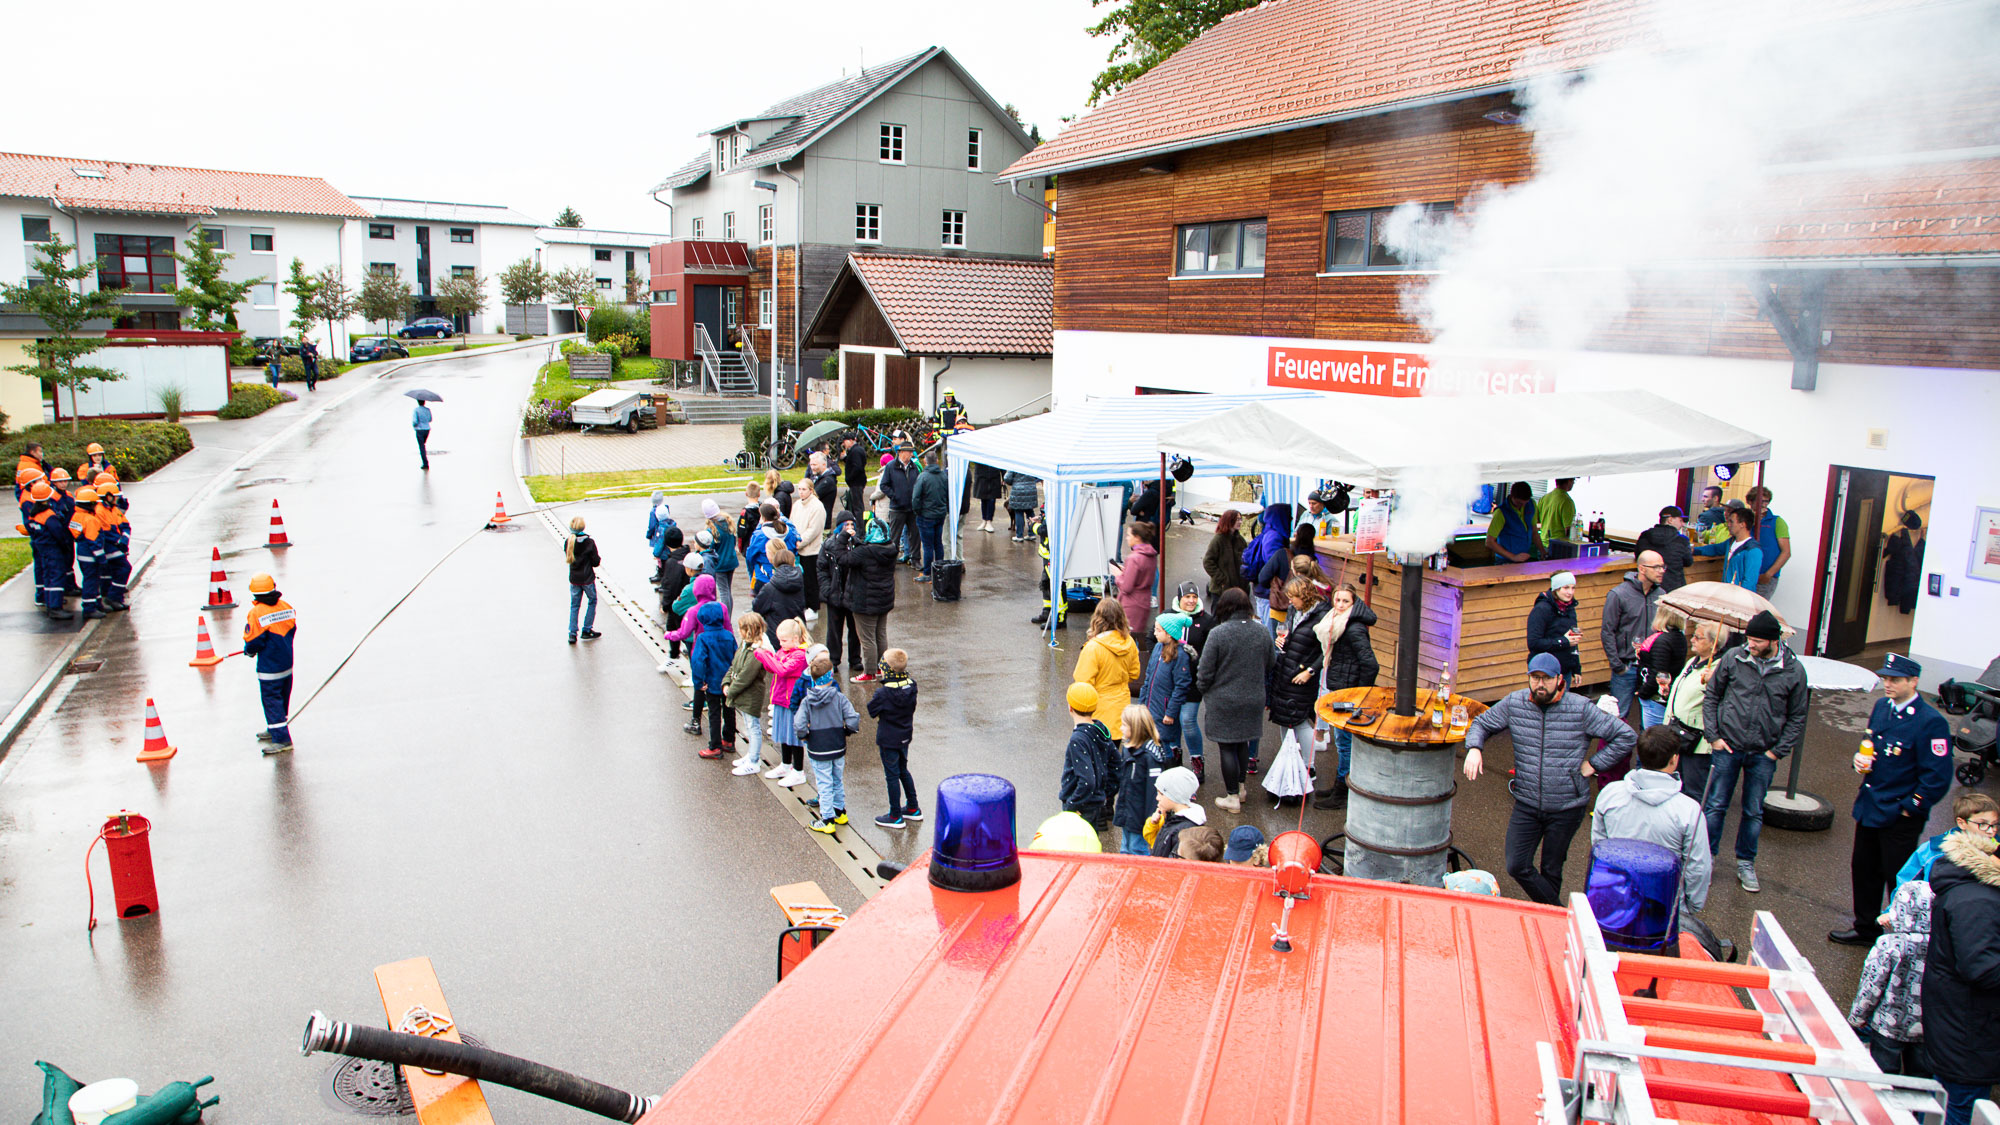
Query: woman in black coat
(1236, 659)
(1552, 625)
(1294, 684)
(1350, 662)
(1961, 992)
(988, 486)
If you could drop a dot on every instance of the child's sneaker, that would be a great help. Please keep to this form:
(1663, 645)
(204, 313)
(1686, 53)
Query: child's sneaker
(866, 678)
(888, 820)
(825, 826)
(712, 752)
(913, 813)
(692, 726)
(1200, 774)
(744, 767)
(791, 778)
(840, 816)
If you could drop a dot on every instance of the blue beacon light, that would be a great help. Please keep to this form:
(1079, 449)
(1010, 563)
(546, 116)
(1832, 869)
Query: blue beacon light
(974, 848)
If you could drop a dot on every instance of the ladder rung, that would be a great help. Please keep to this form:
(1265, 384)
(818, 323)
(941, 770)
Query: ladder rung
(1641, 1009)
(1754, 1100)
(1741, 1046)
(1707, 972)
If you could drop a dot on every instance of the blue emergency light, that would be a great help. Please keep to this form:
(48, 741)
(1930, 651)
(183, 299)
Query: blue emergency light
(974, 847)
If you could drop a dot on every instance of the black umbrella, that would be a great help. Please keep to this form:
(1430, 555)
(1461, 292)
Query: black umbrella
(422, 395)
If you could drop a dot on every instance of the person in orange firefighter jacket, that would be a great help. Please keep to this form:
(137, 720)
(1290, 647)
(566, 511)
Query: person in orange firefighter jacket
(47, 537)
(116, 532)
(267, 635)
(65, 508)
(95, 463)
(89, 539)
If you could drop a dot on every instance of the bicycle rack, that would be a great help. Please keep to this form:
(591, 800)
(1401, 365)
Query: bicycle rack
(1792, 1028)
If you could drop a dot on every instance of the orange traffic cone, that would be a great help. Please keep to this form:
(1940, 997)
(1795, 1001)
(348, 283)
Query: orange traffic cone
(156, 749)
(500, 511)
(218, 583)
(277, 528)
(204, 649)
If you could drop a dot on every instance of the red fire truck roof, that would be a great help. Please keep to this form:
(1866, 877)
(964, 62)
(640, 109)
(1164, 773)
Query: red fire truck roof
(1118, 989)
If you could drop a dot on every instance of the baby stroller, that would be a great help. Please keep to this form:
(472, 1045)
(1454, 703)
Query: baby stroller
(1975, 717)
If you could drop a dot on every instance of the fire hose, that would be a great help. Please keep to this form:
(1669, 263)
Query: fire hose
(324, 1034)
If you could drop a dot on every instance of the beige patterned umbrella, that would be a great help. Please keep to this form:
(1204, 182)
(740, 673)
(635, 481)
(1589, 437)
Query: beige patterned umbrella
(1726, 602)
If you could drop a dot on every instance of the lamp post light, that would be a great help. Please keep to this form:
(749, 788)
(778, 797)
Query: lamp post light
(777, 361)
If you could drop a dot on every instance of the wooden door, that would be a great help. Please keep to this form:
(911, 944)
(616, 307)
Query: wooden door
(900, 382)
(1851, 559)
(860, 381)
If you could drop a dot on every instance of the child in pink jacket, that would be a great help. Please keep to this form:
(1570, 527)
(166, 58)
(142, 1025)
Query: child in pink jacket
(786, 665)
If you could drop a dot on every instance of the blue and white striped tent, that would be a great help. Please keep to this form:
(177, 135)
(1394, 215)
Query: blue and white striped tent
(1099, 440)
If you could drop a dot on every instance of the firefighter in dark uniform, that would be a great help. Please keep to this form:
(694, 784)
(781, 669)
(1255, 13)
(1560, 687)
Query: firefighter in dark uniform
(89, 539)
(48, 540)
(1040, 530)
(116, 532)
(1910, 772)
(268, 635)
(951, 417)
(65, 508)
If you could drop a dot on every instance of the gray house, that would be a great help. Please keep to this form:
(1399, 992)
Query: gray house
(900, 156)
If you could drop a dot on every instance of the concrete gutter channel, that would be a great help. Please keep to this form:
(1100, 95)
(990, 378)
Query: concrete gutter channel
(23, 712)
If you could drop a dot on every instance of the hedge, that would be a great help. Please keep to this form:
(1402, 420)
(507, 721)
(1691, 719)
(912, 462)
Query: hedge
(135, 448)
(248, 399)
(758, 429)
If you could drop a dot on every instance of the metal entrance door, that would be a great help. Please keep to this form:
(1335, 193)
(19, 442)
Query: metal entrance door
(708, 311)
(1851, 558)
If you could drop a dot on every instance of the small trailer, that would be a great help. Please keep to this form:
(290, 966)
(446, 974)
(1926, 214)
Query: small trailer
(611, 406)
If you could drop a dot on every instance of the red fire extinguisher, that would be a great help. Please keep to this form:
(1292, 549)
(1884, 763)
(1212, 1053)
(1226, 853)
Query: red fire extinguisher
(124, 837)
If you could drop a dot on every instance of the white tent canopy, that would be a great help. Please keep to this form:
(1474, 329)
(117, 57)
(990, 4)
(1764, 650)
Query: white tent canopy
(1111, 439)
(1385, 442)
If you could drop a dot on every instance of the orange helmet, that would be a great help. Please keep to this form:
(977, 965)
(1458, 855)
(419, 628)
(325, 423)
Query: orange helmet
(41, 491)
(86, 495)
(105, 482)
(93, 448)
(59, 474)
(262, 584)
(23, 477)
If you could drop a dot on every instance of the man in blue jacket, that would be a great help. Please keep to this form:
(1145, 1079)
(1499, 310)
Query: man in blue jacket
(899, 484)
(1908, 775)
(1551, 732)
(1744, 558)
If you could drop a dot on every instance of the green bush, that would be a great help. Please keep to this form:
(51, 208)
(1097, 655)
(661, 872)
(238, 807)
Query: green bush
(135, 448)
(243, 353)
(607, 321)
(293, 369)
(519, 336)
(756, 431)
(249, 399)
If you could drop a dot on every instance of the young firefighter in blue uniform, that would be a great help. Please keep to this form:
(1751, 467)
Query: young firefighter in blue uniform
(267, 635)
(90, 539)
(116, 532)
(1909, 773)
(48, 537)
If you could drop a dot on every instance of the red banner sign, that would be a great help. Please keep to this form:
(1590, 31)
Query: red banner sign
(1403, 374)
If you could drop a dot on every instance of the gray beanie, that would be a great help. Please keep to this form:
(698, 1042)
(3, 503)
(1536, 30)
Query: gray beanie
(1178, 785)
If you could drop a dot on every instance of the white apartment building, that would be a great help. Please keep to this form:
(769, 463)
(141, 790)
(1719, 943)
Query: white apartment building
(431, 241)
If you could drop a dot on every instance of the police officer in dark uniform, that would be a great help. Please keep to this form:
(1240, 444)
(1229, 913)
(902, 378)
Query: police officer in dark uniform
(1910, 772)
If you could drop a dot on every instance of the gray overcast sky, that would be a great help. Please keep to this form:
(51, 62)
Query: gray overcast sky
(534, 106)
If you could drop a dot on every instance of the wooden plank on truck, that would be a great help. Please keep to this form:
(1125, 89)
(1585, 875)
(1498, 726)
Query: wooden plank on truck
(412, 996)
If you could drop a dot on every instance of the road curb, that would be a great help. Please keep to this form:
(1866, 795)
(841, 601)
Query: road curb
(24, 712)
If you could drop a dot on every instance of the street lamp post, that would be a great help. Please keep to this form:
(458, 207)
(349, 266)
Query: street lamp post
(777, 360)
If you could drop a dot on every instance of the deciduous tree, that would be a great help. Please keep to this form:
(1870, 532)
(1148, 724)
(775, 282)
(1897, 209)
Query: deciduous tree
(54, 295)
(524, 283)
(462, 295)
(303, 288)
(333, 301)
(209, 298)
(1148, 32)
(384, 297)
(575, 286)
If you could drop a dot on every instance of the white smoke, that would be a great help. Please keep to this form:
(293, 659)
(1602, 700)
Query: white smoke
(1704, 145)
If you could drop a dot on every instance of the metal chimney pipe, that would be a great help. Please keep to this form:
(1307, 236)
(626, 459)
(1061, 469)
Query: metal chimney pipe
(1408, 637)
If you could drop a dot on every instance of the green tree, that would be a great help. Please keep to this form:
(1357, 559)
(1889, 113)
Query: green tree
(384, 297)
(462, 295)
(524, 283)
(1148, 32)
(575, 286)
(332, 301)
(304, 291)
(209, 298)
(54, 295)
(569, 218)
(635, 287)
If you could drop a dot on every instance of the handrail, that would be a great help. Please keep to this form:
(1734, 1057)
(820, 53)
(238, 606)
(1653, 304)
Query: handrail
(1016, 411)
(711, 361)
(749, 350)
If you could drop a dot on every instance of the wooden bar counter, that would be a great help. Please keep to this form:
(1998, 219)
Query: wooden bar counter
(1476, 617)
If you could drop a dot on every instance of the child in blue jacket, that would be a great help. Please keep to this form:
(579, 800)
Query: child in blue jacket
(708, 664)
(1169, 674)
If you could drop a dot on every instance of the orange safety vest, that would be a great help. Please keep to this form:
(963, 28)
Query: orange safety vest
(87, 472)
(84, 525)
(278, 617)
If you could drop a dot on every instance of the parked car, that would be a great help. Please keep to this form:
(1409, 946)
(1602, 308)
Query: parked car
(367, 349)
(264, 344)
(428, 326)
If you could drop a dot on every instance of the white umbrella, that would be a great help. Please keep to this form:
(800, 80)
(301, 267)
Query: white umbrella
(1837, 675)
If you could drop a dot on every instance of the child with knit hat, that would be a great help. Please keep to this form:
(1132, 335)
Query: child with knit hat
(1087, 785)
(1168, 677)
(1176, 811)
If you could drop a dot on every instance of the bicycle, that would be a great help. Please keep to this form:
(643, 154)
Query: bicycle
(779, 454)
(919, 433)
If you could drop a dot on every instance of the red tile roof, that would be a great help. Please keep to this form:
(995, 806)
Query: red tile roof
(165, 189)
(961, 306)
(1286, 64)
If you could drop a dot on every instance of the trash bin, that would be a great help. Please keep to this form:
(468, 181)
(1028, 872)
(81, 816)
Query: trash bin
(947, 580)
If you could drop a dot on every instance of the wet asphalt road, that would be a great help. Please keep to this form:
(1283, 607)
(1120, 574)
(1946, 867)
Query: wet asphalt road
(527, 814)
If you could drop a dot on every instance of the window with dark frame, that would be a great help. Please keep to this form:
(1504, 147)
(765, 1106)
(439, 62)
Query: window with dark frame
(1220, 249)
(382, 269)
(151, 320)
(972, 154)
(1358, 240)
(868, 222)
(666, 296)
(954, 228)
(604, 283)
(213, 236)
(135, 263)
(381, 230)
(464, 271)
(35, 228)
(890, 149)
(602, 255)
(260, 244)
(461, 234)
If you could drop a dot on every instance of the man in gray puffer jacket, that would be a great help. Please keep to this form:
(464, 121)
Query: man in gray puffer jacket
(1628, 618)
(1551, 731)
(1754, 716)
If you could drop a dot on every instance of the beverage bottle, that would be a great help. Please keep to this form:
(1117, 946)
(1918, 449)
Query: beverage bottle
(1576, 530)
(1867, 754)
(1439, 699)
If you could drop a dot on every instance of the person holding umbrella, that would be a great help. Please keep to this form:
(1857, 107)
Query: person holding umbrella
(420, 420)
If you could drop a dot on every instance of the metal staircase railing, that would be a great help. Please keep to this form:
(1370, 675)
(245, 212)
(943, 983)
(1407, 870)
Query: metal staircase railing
(711, 360)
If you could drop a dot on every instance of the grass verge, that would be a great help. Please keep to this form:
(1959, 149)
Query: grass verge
(440, 349)
(692, 480)
(14, 555)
